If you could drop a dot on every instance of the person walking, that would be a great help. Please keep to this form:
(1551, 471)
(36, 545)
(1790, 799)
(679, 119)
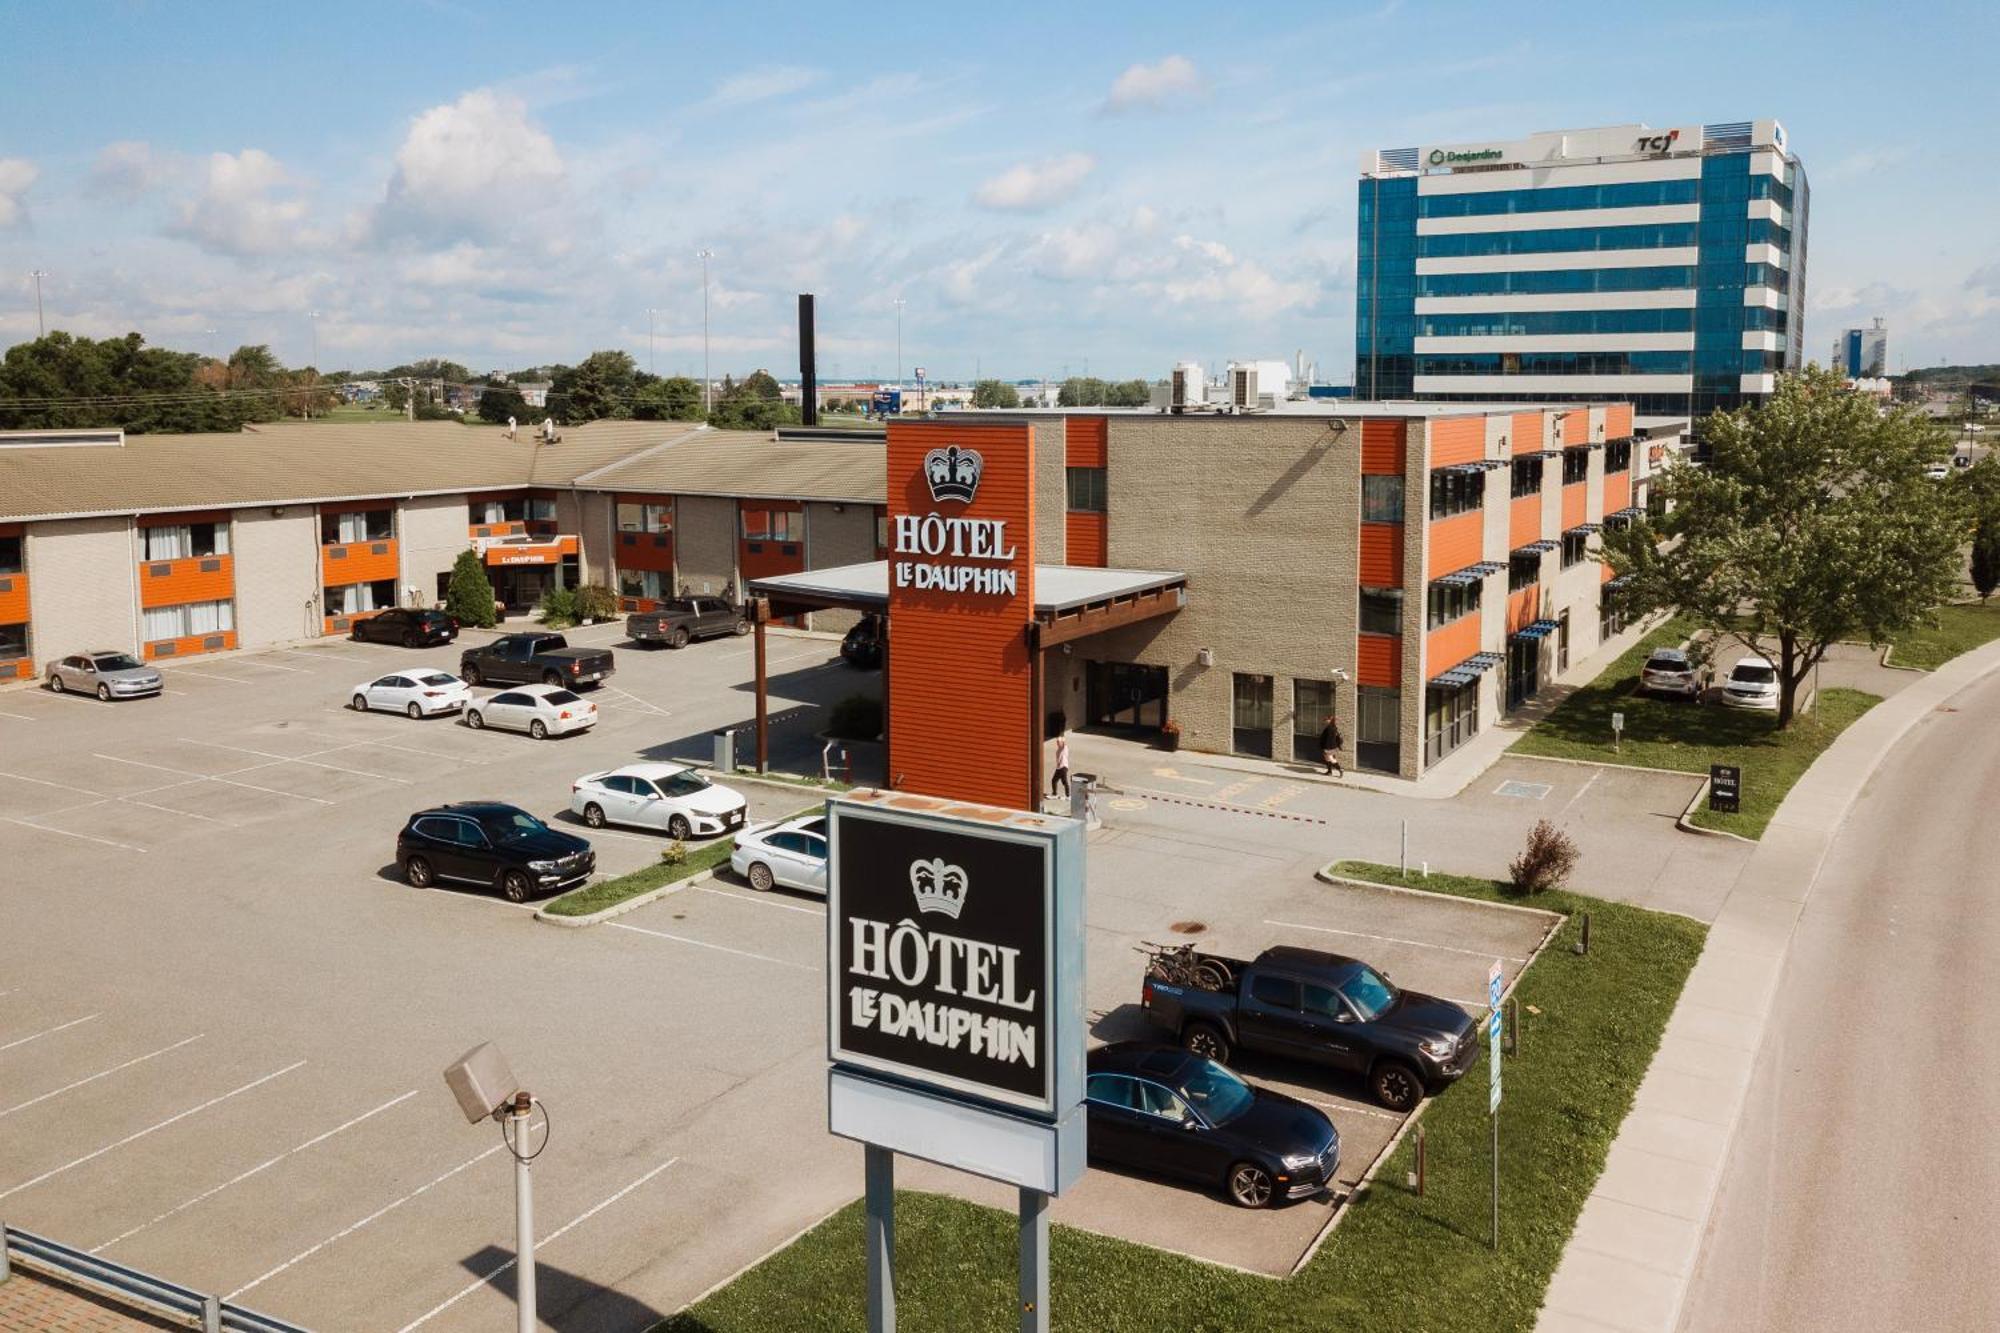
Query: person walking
(1329, 747)
(1061, 778)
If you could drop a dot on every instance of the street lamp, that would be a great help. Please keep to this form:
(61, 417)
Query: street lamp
(486, 1090)
(41, 329)
(704, 256)
(899, 342)
(651, 366)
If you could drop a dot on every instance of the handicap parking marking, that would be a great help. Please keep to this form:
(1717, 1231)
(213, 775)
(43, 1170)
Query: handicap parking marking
(1393, 939)
(703, 944)
(1524, 791)
(49, 1032)
(102, 1073)
(86, 837)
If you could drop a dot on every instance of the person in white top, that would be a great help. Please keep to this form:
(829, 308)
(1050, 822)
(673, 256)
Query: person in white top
(1061, 778)
(510, 427)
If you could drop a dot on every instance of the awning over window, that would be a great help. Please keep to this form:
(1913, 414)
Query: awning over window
(1483, 465)
(1585, 528)
(1611, 585)
(1541, 629)
(1536, 548)
(1471, 574)
(1471, 669)
(1628, 514)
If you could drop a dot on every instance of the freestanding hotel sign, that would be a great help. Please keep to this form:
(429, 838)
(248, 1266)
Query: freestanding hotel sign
(955, 1021)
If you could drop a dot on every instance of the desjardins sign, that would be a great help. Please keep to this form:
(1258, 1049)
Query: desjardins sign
(1444, 157)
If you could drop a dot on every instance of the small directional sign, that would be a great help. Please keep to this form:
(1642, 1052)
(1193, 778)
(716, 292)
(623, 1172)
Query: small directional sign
(1725, 788)
(1495, 983)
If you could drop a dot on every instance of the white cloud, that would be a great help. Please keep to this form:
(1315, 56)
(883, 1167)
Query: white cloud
(478, 165)
(1034, 186)
(249, 204)
(1156, 85)
(126, 170)
(762, 84)
(16, 175)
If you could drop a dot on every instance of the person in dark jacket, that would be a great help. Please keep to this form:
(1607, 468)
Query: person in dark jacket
(1329, 748)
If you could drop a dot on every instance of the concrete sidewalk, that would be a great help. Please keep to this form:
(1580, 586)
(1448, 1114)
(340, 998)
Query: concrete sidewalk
(1630, 1260)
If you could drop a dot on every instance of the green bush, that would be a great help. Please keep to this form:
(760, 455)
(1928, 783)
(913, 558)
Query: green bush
(594, 601)
(469, 595)
(558, 607)
(858, 717)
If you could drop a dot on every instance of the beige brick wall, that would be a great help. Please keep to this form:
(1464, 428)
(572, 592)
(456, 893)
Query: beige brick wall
(592, 517)
(278, 575)
(82, 587)
(705, 545)
(838, 535)
(1051, 491)
(431, 533)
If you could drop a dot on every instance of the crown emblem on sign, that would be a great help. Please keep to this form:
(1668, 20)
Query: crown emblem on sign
(939, 887)
(953, 473)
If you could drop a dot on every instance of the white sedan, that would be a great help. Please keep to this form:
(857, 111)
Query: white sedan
(418, 693)
(791, 852)
(540, 710)
(1752, 683)
(672, 798)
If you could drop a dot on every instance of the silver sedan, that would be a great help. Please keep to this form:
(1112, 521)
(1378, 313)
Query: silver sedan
(106, 674)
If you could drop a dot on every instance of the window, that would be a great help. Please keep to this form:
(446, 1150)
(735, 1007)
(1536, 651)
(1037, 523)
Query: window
(189, 619)
(1455, 493)
(773, 525)
(1323, 1001)
(1611, 614)
(1618, 456)
(1112, 1090)
(1381, 610)
(353, 598)
(1524, 571)
(1575, 548)
(1087, 489)
(1156, 1100)
(10, 555)
(1527, 476)
(13, 641)
(648, 584)
(1576, 466)
(1560, 198)
(1382, 499)
(1449, 602)
(633, 517)
(1555, 239)
(1545, 282)
(1451, 718)
(1550, 323)
(1250, 715)
(1278, 992)
(1378, 722)
(185, 540)
(1555, 363)
(1312, 706)
(541, 509)
(357, 525)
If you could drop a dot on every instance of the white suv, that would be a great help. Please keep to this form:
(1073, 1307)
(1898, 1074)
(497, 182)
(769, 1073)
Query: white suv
(1670, 671)
(1752, 683)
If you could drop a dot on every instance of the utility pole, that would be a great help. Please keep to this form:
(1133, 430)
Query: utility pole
(651, 361)
(899, 342)
(41, 329)
(704, 256)
(313, 365)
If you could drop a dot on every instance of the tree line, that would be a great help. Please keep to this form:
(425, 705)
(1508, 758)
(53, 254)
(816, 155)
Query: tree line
(63, 382)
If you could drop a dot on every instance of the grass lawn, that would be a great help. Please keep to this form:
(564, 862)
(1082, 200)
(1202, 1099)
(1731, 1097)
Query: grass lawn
(1686, 737)
(1961, 627)
(1589, 1027)
(605, 893)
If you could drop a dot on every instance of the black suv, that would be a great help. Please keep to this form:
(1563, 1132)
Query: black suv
(865, 642)
(484, 842)
(408, 626)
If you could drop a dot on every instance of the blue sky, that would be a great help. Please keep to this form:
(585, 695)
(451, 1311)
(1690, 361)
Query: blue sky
(1044, 187)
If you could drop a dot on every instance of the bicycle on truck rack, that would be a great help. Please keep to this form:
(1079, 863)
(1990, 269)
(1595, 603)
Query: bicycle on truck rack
(1180, 965)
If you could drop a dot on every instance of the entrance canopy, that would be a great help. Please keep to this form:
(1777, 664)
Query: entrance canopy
(526, 550)
(1071, 601)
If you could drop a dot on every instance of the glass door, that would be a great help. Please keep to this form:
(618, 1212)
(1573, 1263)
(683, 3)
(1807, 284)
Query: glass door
(1250, 715)
(1312, 705)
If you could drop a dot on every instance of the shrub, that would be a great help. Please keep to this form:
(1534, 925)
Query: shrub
(558, 607)
(594, 601)
(469, 595)
(858, 717)
(674, 853)
(1545, 862)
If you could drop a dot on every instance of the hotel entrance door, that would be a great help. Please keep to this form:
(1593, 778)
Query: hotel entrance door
(1121, 694)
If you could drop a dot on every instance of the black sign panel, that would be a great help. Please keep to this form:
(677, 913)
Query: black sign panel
(1725, 788)
(941, 956)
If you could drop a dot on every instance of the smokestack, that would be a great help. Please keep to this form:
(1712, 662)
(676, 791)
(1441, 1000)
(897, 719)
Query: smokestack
(808, 369)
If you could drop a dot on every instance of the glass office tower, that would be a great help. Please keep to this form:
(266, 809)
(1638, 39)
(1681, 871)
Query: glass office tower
(1665, 268)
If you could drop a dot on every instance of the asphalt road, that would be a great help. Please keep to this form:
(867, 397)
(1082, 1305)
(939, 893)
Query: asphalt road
(1863, 1191)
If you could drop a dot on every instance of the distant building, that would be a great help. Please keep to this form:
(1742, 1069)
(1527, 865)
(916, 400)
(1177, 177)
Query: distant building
(536, 392)
(1863, 353)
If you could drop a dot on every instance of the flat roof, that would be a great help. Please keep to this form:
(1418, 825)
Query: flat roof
(1058, 588)
(1289, 407)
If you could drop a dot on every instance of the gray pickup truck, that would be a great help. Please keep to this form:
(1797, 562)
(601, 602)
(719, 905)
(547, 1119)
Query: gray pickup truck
(523, 659)
(684, 619)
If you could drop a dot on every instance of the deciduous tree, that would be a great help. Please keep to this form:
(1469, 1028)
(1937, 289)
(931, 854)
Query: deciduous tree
(995, 393)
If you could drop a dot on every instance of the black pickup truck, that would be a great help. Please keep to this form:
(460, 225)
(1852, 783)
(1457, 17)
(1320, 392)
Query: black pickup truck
(1322, 1008)
(686, 618)
(522, 659)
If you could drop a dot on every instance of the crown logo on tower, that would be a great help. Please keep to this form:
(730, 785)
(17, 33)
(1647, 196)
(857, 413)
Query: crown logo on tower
(939, 887)
(953, 473)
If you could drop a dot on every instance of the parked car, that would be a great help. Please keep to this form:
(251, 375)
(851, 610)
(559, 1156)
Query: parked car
(1325, 1009)
(1937, 471)
(106, 674)
(484, 842)
(413, 627)
(865, 643)
(791, 853)
(1172, 1113)
(1961, 460)
(673, 798)
(1671, 671)
(684, 619)
(517, 659)
(418, 693)
(540, 710)
(1752, 683)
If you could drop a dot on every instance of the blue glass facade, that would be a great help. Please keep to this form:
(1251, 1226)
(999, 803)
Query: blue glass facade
(1385, 285)
(1718, 294)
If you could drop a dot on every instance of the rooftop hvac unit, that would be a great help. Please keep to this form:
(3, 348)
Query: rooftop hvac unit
(1190, 386)
(1258, 385)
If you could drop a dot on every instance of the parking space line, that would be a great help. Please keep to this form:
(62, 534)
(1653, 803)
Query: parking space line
(169, 810)
(86, 837)
(624, 837)
(1395, 939)
(102, 1073)
(540, 1241)
(18, 717)
(48, 1032)
(646, 704)
(268, 666)
(349, 1230)
(261, 1166)
(205, 675)
(59, 786)
(757, 902)
(132, 1138)
(1336, 1106)
(199, 777)
(297, 759)
(428, 754)
(702, 944)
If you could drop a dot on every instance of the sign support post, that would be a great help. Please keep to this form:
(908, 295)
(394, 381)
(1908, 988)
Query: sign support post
(1495, 983)
(1034, 1261)
(881, 1238)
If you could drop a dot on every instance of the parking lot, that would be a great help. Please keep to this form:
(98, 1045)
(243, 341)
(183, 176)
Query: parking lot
(223, 1019)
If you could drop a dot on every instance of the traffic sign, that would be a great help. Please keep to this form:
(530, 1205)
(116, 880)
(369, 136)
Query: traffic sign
(1495, 983)
(1618, 722)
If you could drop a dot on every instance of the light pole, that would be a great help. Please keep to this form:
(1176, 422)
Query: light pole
(651, 362)
(313, 365)
(41, 329)
(899, 342)
(704, 256)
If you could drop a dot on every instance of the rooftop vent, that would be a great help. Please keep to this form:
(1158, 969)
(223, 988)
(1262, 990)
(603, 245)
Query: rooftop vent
(62, 439)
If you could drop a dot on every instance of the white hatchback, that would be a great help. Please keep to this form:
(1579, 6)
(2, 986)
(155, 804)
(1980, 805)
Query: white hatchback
(1752, 683)
(540, 710)
(791, 852)
(417, 693)
(673, 798)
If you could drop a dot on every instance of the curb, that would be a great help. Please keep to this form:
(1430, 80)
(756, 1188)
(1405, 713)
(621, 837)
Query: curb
(1685, 820)
(630, 904)
(1606, 763)
(760, 780)
(1325, 874)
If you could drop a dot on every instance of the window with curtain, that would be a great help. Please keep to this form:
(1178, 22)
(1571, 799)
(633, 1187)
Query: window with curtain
(541, 510)
(169, 542)
(640, 517)
(189, 619)
(772, 525)
(647, 583)
(357, 525)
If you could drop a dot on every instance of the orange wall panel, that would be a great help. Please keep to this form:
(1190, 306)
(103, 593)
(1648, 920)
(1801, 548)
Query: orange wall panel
(1576, 426)
(963, 721)
(1382, 447)
(191, 646)
(1523, 607)
(1617, 491)
(358, 562)
(13, 599)
(1448, 645)
(195, 579)
(1524, 435)
(1458, 440)
(1617, 420)
(1085, 444)
(646, 550)
(1576, 504)
(19, 668)
(764, 559)
(1524, 520)
(1087, 538)
(1381, 555)
(1378, 659)
(1456, 542)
